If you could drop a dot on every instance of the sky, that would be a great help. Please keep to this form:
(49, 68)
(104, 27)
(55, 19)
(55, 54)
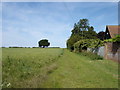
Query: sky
(25, 23)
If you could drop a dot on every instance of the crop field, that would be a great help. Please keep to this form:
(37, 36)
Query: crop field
(55, 68)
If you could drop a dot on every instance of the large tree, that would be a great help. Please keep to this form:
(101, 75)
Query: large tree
(84, 29)
(43, 43)
(81, 30)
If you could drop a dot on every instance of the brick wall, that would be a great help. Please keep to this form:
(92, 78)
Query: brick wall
(112, 51)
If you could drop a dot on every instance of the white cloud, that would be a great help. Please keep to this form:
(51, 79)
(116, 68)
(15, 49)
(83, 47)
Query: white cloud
(56, 37)
(36, 27)
(25, 25)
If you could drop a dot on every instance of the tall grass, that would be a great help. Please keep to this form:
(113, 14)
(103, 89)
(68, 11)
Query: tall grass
(22, 65)
(55, 68)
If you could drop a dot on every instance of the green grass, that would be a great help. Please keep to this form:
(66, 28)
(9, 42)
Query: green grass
(56, 68)
(24, 67)
(92, 56)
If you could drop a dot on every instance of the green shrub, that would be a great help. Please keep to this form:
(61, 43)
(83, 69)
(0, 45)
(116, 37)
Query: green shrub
(115, 39)
(88, 43)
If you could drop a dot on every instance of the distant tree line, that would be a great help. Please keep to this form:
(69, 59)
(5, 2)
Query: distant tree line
(42, 43)
(18, 47)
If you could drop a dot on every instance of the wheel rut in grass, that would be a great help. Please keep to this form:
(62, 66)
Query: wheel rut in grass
(56, 68)
(77, 71)
(46, 70)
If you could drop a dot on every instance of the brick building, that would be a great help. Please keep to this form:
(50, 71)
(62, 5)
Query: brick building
(112, 50)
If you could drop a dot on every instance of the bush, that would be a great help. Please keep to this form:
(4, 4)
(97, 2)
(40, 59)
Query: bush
(91, 55)
(115, 39)
(87, 43)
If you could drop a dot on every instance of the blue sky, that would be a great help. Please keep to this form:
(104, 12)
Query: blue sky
(25, 23)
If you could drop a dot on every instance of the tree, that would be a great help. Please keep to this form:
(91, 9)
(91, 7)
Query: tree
(81, 30)
(84, 30)
(73, 39)
(101, 35)
(83, 24)
(43, 43)
(91, 34)
(75, 29)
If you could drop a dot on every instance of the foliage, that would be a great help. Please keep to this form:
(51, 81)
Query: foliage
(81, 30)
(72, 40)
(101, 35)
(44, 43)
(91, 55)
(115, 39)
(85, 43)
(91, 34)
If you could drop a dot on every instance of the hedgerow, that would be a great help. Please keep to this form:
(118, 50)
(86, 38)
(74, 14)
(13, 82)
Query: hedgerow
(88, 43)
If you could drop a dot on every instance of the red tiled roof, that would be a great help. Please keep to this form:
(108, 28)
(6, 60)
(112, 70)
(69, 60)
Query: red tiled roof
(113, 30)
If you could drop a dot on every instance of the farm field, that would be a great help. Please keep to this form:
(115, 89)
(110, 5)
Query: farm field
(55, 68)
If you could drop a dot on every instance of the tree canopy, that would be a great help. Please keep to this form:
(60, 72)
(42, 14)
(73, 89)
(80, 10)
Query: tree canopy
(43, 43)
(81, 30)
(101, 35)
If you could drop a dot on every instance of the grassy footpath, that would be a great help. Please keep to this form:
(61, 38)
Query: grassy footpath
(77, 71)
(56, 68)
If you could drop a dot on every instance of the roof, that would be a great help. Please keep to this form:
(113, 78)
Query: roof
(113, 30)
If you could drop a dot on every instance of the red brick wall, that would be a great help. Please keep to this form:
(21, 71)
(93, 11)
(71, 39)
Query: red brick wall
(112, 51)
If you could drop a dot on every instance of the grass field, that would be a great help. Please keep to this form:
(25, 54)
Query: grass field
(55, 68)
